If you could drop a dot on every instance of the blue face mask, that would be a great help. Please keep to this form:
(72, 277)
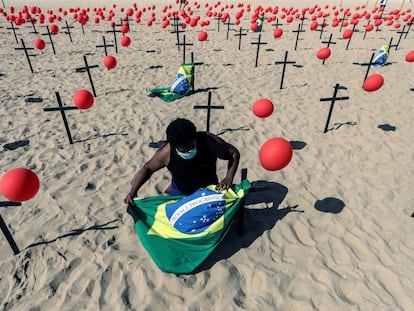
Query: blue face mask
(189, 154)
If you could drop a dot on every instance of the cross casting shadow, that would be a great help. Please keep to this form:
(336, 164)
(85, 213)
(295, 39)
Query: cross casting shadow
(337, 126)
(100, 136)
(34, 100)
(387, 127)
(16, 144)
(330, 205)
(267, 196)
(9, 203)
(242, 128)
(155, 67)
(157, 144)
(207, 89)
(366, 64)
(297, 145)
(76, 232)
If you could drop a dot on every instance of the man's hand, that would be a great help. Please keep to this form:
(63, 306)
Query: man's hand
(224, 184)
(129, 199)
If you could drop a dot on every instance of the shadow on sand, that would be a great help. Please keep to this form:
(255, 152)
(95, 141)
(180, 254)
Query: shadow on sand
(268, 195)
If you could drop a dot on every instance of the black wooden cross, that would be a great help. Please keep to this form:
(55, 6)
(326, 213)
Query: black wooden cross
(184, 45)
(228, 28)
(87, 69)
(329, 42)
(240, 218)
(402, 32)
(277, 24)
(380, 18)
(114, 31)
(195, 64)
(344, 19)
(14, 31)
(125, 19)
(62, 112)
(390, 45)
(208, 107)
(332, 100)
(240, 34)
(302, 20)
(6, 231)
(50, 38)
(105, 46)
(26, 53)
(32, 22)
(409, 27)
(365, 31)
(297, 35)
(177, 30)
(285, 62)
(369, 64)
(68, 28)
(218, 23)
(321, 30)
(349, 40)
(258, 43)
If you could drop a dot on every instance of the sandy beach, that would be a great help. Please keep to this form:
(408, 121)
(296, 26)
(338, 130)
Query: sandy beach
(331, 231)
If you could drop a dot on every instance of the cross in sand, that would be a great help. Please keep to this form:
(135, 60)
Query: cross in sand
(105, 46)
(332, 100)
(240, 34)
(50, 38)
(87, 69)
(184, 44)
(258, 43)
(67, 27)
(14, 31)
(26, 53)
(208, 107)
(285, 62)
(297, 35)
(62, 112)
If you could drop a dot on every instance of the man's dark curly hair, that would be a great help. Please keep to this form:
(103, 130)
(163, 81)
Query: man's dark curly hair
(180, 132)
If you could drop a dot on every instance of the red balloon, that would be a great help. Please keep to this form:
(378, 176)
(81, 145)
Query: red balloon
(202, 36)
(263, 108)
(19, 184)
(278, 33)
(83, 99)
(125, 41)
(369, 27)
(275, 154)
(40, 44)
(323, 53)
(254, 26)
(313, 25)
(54, 28)
(377, 22)
(410, 56)
(110, 62)
(124, 28)
(347, 34)
(373, 82)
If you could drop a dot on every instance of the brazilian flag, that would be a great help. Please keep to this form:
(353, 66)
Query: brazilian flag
(179, 232)
(382, 56)
(182, 85)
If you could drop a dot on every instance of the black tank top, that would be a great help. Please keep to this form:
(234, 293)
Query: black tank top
(198, 172)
